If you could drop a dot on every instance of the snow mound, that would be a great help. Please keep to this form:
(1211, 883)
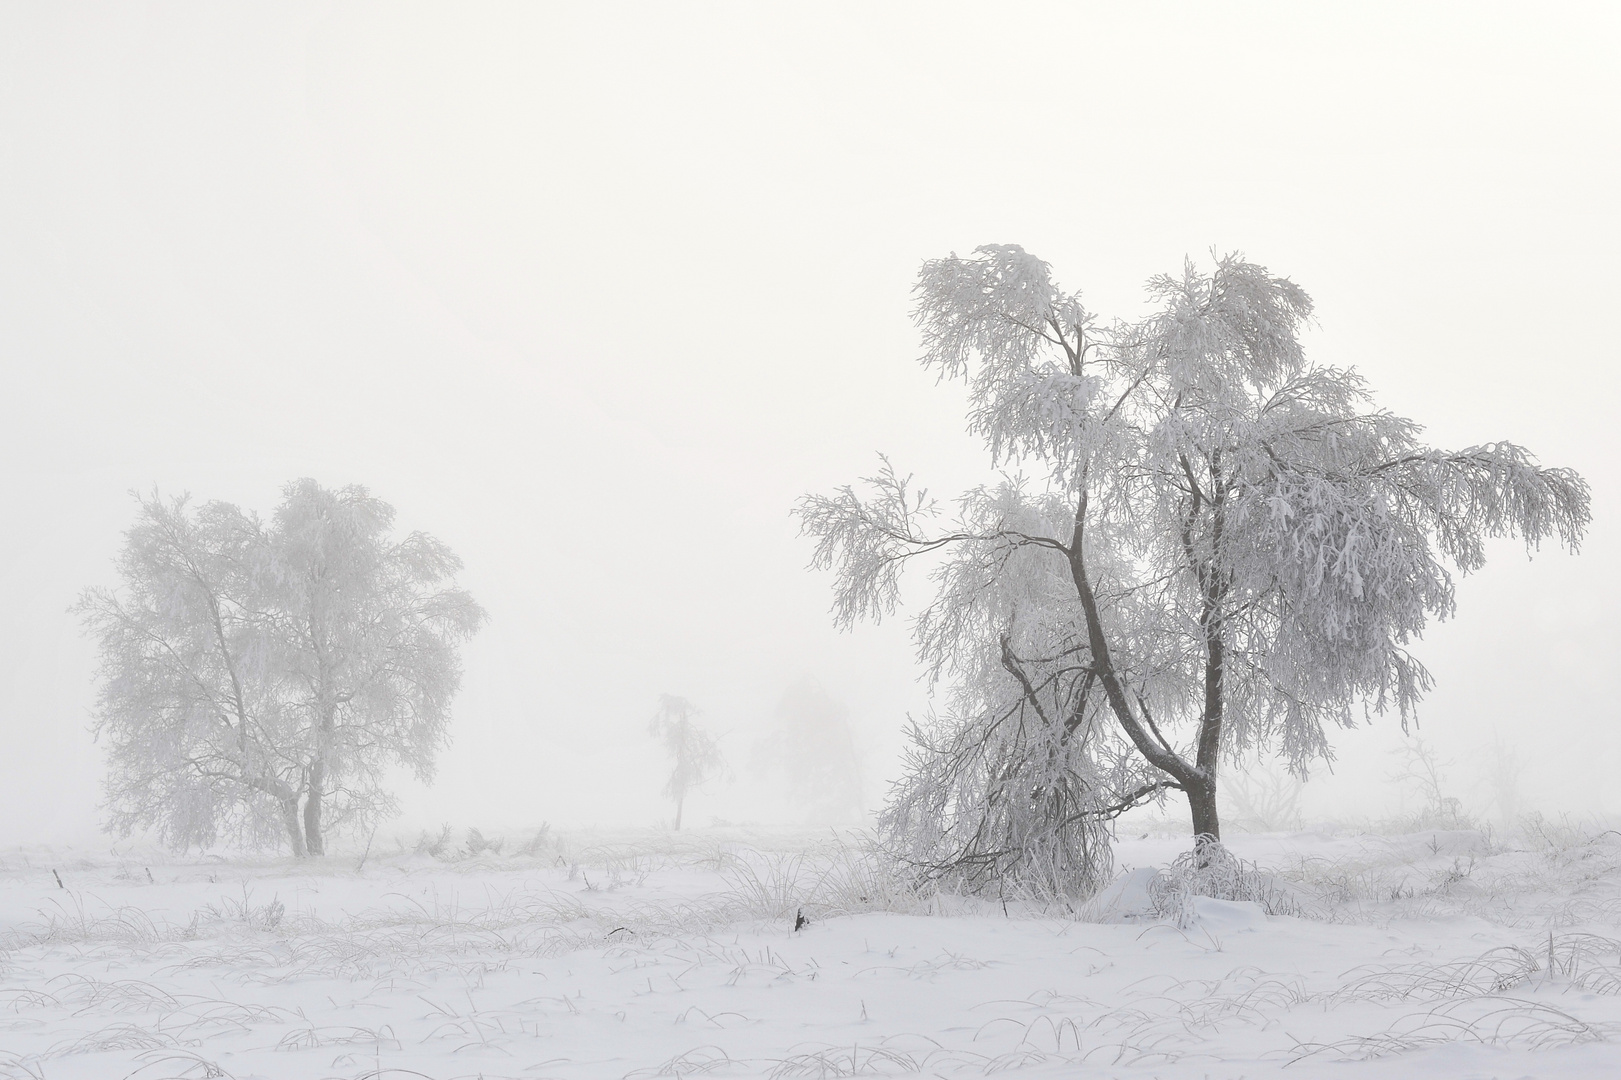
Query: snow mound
(1125, 899)
(1228, 916)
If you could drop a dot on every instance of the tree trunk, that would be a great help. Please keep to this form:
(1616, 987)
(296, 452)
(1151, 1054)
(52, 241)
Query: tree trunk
(1202, 793)
(1158, 754)
(1202, 801)
(1199, 779)
(295, 835)
(679, 803)
(312, 809)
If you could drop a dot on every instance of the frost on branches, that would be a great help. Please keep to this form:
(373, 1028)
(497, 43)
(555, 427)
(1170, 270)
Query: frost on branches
(259, 680)
(1202, 544)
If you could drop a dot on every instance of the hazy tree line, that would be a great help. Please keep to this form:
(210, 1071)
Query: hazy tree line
(259, 679)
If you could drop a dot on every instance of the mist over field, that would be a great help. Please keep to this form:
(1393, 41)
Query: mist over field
(419, 424)
(593, 296)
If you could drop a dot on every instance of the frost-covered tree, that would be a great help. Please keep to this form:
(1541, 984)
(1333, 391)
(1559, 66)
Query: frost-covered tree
(191, 708)
(695, 755)
(1202, 544)
(810, 755)
(370, 630)
(256, 680)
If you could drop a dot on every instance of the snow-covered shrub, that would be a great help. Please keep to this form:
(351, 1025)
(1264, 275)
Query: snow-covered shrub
(434, 846)
(1211, 870)
(479, 844)
(538, 844)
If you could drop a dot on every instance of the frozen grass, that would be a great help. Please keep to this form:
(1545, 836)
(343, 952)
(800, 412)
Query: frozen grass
(1544, 875)
(1487, 1021)
(677, 955)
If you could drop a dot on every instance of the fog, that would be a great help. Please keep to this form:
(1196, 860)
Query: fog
(594, 293)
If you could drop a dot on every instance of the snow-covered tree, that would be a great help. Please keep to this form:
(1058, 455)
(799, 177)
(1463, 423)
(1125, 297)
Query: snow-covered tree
(370, 627)
(810, 755)
(191, 707)
(1202, 544)
(257, 680)
(695, 755)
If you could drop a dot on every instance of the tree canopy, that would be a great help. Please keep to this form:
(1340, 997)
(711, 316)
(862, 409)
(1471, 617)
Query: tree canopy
(257, 680)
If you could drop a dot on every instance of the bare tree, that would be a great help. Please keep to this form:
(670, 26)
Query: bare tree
(257, 681)
(1503, 773)
(1204, 544)
(694, 753)
(1420, 767)
(1264, 795)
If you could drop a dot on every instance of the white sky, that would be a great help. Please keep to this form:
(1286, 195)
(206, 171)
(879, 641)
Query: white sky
(594, 292)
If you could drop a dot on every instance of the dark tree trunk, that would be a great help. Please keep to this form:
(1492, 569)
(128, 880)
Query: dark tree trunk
(1207, 756)
(1202, 793)
(1202, 801)
(1197, 779)
(312, 809)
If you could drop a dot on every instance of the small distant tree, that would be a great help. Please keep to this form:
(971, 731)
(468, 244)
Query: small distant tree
(1202, 545)
(257, 680)
(1504, 770)
(1264, 796)
(1420, 767)
(811, 752)
(694, 753)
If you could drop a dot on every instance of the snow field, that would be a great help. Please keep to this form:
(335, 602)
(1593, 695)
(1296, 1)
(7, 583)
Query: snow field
(1446, 954)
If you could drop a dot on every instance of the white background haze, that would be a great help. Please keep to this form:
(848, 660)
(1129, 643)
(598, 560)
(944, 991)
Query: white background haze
(593, 293)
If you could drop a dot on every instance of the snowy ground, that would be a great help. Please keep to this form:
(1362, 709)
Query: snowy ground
(1441, 954)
